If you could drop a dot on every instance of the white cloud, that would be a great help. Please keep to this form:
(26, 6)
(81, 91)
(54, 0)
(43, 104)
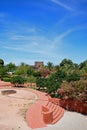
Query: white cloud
(62, 5)
(61, 36)
(39, 45)
(19, 41)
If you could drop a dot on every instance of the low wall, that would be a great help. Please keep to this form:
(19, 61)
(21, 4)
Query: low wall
(54, 100)
(74, 105)
(71, 105)
(30, 85)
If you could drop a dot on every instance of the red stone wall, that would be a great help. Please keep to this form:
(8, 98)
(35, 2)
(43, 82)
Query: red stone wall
(71, 105)
(74, 105)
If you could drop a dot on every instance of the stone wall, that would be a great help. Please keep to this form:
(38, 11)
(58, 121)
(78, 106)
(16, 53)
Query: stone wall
(71, 105)
(74, 105)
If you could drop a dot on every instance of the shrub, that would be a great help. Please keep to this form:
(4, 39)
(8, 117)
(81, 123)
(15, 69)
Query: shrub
(41, 82)
(74, 90)
(73, 77)
(18, 80)
(7, 79)
(31, 79)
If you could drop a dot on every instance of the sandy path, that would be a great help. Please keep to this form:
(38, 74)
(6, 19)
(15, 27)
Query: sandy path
(13, 109)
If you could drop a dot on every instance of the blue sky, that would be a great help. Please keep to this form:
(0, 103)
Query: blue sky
(43, 30)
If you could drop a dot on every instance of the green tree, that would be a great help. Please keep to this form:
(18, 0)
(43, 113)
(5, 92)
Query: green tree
(3, 72)
(1, 62)
(67, 66)
(22, 70)
(31, 79)
(54, 81)
(37, 74)
(18, 80)
(83, 67)
(66, 62)
(10, 67)
(73, 77)
(83, 64)
(41, 82)
(50, 65)
(30, 71)
(52, 86)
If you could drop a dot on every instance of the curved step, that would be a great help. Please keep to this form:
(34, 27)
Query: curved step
(57, 111)
(34, 114)
(50, 105)
(58, 117)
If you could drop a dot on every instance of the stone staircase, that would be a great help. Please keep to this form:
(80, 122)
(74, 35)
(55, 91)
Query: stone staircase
(57, 111)
(43, 112)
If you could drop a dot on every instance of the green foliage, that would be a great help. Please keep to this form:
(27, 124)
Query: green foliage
(65, 77)
(31, 79)
(83, 64)
(83, 67)
(10, 67)
(50, 65)
(73, 77)
(1, 62)
(74, 90)
(54, 81)
(68, 66)
(61, 75)
(22, 70)
(18, 80)
(7, 79)
(3, 72)
(52, 86)
(37, 74)
(30, 71)
(58, 76)
(41, 82)
(66, 62)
